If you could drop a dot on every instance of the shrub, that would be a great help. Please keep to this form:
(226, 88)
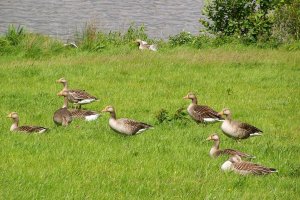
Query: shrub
(183, 38)
(251, 20)
(287, 21)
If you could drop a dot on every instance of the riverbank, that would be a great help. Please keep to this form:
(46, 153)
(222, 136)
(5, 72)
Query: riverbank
(89, 160)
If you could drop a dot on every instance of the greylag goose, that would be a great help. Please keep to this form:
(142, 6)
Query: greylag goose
(78, 97)
(236, 164)
(201, 113)
(215, 151)
(236, 129)
(144, 45)
(63, 116)
(124, 125)
(28, 129)
(87, 115)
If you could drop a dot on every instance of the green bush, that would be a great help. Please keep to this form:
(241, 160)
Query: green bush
(250, 20)
(287, 21)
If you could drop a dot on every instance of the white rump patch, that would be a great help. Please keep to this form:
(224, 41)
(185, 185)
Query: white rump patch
(210, 119)
(141, 130)
(92, 117)
(42, 131)
(86, 101)
(153, 47)
(226, 166)
(255, 134)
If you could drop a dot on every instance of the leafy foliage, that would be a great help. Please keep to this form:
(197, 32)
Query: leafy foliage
(251, 20)
(287, 21)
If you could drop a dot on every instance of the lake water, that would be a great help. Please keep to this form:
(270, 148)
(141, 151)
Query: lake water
(62, 18)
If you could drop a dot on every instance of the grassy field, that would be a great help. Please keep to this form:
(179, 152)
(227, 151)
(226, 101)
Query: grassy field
(90, 161)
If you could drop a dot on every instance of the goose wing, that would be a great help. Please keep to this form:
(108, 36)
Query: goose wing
(201, 112)
(135, 126)
(249, 129)
(233, 152)
(31, 129)
(80, 113)
(252, 168)
(79, 95)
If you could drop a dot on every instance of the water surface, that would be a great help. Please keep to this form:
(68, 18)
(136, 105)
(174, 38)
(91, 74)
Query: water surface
(62, 18)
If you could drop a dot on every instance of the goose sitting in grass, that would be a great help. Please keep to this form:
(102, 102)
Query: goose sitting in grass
(215, 151)
(124, 125)
(236, 164)
(87, 115)
(144, 45)
(201, 113)
(26, 129)
(63, 116)
(78, 97)
(236, 129)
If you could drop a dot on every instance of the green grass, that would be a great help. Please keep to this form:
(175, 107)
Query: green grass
(90, 161)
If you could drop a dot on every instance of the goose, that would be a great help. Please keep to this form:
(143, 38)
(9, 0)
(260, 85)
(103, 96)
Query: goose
(78, 97)
(87, 115)
(63, 116)
(236, 129)
(27, 129)
(144, 45)
(236, 164)
(124, 125)
(201, 113)
(216, 152)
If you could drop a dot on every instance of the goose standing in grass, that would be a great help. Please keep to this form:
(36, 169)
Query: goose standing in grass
(78, 97)
(87, 115)
(236, 129)
(215, 151)
(124, 125)
(236, 164)
(27, 129)
(201, 113)
(63, 116)
(144, 45)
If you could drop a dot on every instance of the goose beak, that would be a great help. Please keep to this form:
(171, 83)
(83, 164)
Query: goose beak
(209, 138)
(186, 97)
(57, 81)
(59, 94)
(104, 110)
(8, 116)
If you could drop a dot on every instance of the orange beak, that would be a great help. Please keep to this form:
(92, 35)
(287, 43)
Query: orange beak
(186, 97)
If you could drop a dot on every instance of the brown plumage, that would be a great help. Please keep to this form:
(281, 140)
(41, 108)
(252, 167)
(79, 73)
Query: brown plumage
(26, 128)
(201, 113)
(236, 129)
(124, 125)
(215, 151)
(78, 97)
(88, 115)
(236, 164)
(63, 116)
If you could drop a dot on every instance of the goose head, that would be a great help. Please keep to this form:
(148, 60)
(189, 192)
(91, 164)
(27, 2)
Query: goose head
(190, 95)
(61, 80)
(225, 112)
(213, 137)
(13, 115)
(109, 109)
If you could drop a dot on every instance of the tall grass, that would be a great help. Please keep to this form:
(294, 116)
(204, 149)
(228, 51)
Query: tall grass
(90, 161)
(18, 42)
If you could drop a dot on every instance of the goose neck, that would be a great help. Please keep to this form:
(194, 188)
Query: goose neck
(65, 105)
(113, 115)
